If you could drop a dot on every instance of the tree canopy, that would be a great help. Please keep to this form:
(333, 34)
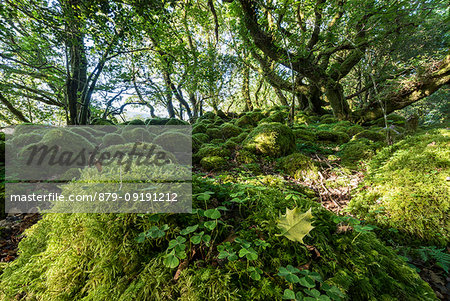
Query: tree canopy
(71, 61)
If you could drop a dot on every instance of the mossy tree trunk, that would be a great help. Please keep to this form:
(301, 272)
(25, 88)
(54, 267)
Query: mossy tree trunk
(402, 97)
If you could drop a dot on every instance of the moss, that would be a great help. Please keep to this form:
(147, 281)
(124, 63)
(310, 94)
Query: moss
(213, 163)
(73, 173)
(331, 136)
(174, 121)
(304, 134)
(207, 115)
(240, 138)
(101, 121)
(26, 139)
(355, 151)
(217, 141)
(112, 139)
(199, 128)
(2, 152)
(354, 129)
(136, 122)
(140, 134)
(371, 135)
(245, 121)
(253, 167)
(313, 119)
(142, 148)
(245, 157)
(392, 119)
(156, 121)
(231, 145)
(218, 121)
(301, 118)
(94, 136)
(25, 128)
(201, 137)
(271, 139)
(210, 150)
(214, 133)
(171, 141)
(229, 130)
(277, 116)
(328, 119)
(409, 187)
(96, 256)
(257, 116)
(299, 166)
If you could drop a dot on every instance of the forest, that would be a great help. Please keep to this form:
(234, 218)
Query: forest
(307, 140)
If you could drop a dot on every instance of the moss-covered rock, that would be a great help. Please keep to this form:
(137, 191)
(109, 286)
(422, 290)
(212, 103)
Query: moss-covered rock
(230, 144)
(101, 121)
(229, 130)
(241, 137)
(112, 139)
(199, 128)
(171, 141)
(257, 116)
(328, 119)
(209, 150)
(156, 121)
(213, 163)
(304, 134)
(245, 157)
(207, 115)
(136, 122)
(371, 135)
(201, 137)
(26, 128)
(174, 121)
(245, 121)
(277, 116)
(198, 140)
(299, 166)
(331, 136)
(354, 129)
(138, 134)
(217, 141)
(214, 133)
(26, 139)
(408, 187)
(271, 139)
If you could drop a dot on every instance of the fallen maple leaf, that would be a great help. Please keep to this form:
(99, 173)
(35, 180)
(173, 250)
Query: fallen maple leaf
(295, 225)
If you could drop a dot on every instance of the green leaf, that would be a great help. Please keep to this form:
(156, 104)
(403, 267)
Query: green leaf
(189, 230)
(171, 261)
(288, 294)
(141, 237)
(196, 239)
(307, 282)
(210, 225)
(213, 214)
(295, 225)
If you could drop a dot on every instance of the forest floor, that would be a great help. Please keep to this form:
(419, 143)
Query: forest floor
(335, 198)
(332, 197)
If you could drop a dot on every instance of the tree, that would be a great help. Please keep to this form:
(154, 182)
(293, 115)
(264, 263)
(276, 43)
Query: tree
(322, 42)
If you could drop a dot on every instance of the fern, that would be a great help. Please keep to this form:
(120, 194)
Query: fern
(439, 255)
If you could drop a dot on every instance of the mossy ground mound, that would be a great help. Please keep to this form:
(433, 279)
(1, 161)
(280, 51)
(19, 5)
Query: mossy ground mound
(101, 257)
(407, 187)
(271, 139)
(299, 166)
